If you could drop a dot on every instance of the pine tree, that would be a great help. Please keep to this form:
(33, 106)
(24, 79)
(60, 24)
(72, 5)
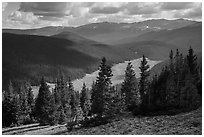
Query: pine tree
(143, 83)
(192, 61)
(189, 94)
(10, 107)
(73, 101)
(73, 104)
(62, 116)
(171, 61)
(172, 94)
(24, 114)
(44, 106)
(100, 95)
(85, 100)
(129, 87)
(57, 93)
(31, 102)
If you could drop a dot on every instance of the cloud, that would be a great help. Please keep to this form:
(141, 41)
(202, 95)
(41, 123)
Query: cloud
(194, 13)
(105, 10)
(24, 17)
(140, 8)
(36, 14)
(176, 5)
(45, 8)
(4, 5)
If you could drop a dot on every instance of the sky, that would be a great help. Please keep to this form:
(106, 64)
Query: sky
(27, 15)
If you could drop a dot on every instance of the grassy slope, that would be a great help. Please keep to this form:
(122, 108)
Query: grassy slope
(189, 123)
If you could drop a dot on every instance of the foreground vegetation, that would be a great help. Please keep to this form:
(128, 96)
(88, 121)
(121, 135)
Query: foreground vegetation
(189, 123)
(175, 90)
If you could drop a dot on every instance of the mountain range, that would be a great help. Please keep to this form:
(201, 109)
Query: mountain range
(74, 51)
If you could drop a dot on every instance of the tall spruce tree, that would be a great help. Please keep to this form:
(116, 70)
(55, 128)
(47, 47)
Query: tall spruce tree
(31, 102)
(10, 107)
(85, 100)
(129, 87)
(44, 106)
(73, 101)
(189, 97)
(100, 93)
(143, 83)
(192, 61)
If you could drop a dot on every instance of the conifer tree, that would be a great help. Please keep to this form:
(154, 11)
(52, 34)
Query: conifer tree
(10, 107)
(171, 90)
(62, 116)
(129, 87)
(143, 83)
(171, 61)
(189, 94)
(100, 95)
(57, 93)
(85, 100)
(31, 102)
(44, 106)
(192, 61)
(73, 104)
(24, 113)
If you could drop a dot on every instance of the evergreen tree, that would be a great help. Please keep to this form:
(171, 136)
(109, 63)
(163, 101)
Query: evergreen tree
(57, 93)
(24, 113)
(62, 116)
(10, 107)
(171, 61)
(143, 83)
(85, 100)
(44, 106)
(73, 101)
(73, 104)
(189, 94)
(192, 61)
(172, 94)
(171, 55)
(31, 102)
(100, 93)
(129, 87)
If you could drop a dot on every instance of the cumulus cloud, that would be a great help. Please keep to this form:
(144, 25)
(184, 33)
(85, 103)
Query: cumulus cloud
(45, 8)
(141, 8)
(194, 13)
(24, 17)
(176, 5)
(4, 5)
(104, 10)
(80, 13)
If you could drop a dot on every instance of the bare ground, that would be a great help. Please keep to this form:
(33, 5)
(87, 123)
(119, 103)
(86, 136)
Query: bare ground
(182, 124)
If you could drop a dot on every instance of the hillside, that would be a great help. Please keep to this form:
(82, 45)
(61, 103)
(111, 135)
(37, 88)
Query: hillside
(96, 49)
(29, 57)
(156, 44)
(158, 67)
(46, 31)
(189, 123)
(110, 33)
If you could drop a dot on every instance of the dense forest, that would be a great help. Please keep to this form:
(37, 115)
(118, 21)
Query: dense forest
(176, 89)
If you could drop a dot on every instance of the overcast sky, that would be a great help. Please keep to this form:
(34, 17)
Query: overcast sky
(38, 14)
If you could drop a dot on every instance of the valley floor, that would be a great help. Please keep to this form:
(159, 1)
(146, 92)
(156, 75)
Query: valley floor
(185, 123)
